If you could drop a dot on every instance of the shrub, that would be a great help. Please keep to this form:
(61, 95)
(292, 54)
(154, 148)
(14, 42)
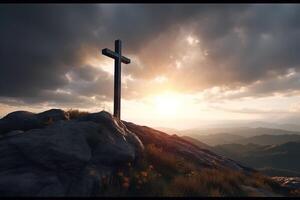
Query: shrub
(73, 114)
(167, 163)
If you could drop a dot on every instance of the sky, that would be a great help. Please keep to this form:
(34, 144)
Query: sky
(190, 64)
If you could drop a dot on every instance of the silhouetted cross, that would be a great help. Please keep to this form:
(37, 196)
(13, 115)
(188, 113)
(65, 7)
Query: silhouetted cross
(117, 55)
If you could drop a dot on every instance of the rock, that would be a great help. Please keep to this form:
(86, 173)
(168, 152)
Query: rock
(19, 120)
(23, 120)
(65, 158)
(111, 129)
(290, 182)
(68, 157)
(19, 115)
(54, 114)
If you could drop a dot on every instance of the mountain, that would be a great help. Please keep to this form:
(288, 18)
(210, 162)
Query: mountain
(240, 124)
(290, 127)
(240, 131)
(58, 153)
(269, 139)
(217, 138)
(284, 126)
(279, 160)
(243, 135)
(196, 142)
(235, 150)
(272, 160)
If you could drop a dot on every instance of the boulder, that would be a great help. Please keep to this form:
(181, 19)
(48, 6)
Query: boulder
(64, 158)
(23, 120)
(19, 120)
(54, 115)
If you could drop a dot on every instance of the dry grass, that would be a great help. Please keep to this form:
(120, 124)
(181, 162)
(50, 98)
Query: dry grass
(167, 163)
(74, 113)
(162, 173)
(207, 182)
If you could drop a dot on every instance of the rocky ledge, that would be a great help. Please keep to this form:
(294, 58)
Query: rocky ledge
(53, 154)
(47, 154)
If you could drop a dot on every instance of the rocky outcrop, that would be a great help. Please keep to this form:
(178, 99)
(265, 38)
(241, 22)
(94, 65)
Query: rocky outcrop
(65, 158)
(49, 154)
(23, 120)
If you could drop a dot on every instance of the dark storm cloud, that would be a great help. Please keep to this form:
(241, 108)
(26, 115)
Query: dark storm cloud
(40, 44)
(269, 46)
(244, 44)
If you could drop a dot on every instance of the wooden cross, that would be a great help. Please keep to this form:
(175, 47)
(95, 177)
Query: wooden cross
(117, 55)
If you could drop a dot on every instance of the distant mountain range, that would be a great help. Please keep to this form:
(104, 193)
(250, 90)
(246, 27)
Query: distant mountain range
(269, 139)
(218, 138)
(241, 131)
(272, 160)
(273, 151)
(242, 135)
(285, 126)
(275, 159)
(197, 142)
(253, 124)
(239, 127)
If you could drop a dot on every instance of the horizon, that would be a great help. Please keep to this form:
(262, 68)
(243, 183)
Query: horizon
(192, 65)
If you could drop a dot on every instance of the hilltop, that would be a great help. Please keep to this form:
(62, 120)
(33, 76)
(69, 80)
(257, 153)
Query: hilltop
(69, 153)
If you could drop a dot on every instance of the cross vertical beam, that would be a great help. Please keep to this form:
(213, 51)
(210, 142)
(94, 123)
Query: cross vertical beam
(119, 59)
(117, 84)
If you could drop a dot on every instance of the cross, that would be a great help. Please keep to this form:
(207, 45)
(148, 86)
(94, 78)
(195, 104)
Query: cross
(117, 55)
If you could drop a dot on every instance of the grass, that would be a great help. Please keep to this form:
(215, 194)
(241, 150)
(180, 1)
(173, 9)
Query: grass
(161, 173)
(74, 113)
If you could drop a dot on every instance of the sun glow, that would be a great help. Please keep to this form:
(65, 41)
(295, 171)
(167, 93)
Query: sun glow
(167, 104)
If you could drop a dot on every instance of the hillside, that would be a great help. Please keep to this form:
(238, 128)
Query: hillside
(259, 138)
(217, 138)
(57, 153)
(197, 142)
(269, 139)
(236, 150)
(276, 160)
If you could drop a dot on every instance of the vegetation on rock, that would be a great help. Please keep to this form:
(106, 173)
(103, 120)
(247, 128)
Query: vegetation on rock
(161, 173)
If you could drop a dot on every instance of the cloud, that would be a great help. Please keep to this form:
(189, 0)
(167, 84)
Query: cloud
(283, 85)
(39, 44)
(196, 47)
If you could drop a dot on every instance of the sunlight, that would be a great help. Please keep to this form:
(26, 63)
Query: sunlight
(106, 64)
(167, 104)
(192, 40)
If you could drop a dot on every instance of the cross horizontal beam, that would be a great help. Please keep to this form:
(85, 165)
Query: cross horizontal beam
(114, 55)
